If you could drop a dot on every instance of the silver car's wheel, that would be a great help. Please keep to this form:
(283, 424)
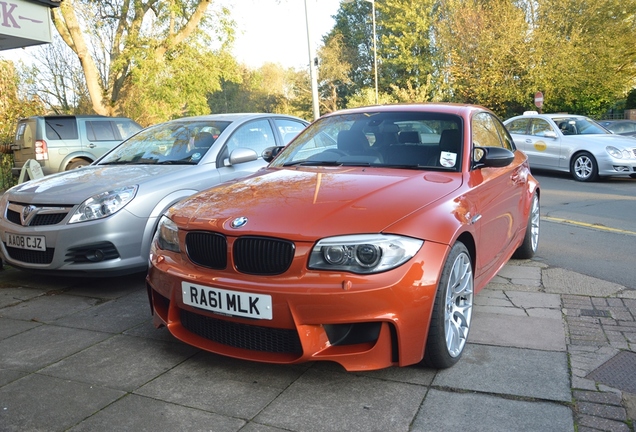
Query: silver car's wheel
(583, 167)
(531, 239)
(452, 311)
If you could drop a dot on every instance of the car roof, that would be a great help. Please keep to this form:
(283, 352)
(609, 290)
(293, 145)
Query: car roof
(534, 114)
(232, 117)
(446, 108)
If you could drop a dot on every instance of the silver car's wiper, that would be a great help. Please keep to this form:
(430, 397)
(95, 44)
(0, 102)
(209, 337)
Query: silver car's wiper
(176, 162)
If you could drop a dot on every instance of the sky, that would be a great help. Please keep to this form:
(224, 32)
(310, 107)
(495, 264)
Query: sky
(266, 31)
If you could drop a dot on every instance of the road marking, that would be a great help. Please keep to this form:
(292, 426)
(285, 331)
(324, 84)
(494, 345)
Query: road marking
(587, 225)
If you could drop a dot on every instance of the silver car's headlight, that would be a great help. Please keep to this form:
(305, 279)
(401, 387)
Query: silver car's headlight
(364, 253)
(104, 204)
(167, 235)
(614, 152)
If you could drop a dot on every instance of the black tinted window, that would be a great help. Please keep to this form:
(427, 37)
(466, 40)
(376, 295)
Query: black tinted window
(61, 128)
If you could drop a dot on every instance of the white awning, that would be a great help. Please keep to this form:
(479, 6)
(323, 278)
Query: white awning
(24, 23)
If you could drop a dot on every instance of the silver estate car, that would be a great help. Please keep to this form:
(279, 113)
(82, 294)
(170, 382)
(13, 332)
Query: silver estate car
(574, 144)
(99, 220)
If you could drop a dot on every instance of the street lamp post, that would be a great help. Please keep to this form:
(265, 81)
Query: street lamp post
(312, 69)
(375, 50)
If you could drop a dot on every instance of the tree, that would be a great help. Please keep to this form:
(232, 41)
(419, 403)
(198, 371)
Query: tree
(334, 72)
(585, 53)
(482, 53)
(138, 55)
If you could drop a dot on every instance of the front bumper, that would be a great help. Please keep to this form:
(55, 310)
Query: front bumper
(110, 246)
(361, 322)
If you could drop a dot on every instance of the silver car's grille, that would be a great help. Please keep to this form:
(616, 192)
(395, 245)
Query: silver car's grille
(252, 255)
(31, 256)
(36, 215)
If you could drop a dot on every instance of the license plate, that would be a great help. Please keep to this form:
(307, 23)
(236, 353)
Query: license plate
(26, 242)
(227, 302)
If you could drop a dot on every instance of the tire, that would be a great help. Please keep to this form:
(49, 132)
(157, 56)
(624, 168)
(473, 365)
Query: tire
(583, 167)
(530, 242)
(452, 311)
(77, 163)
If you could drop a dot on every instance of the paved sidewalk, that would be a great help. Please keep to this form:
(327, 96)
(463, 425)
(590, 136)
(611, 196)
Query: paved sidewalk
(549, 350)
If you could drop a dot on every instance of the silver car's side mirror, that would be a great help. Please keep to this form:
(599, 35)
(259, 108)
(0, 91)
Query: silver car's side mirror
(240, 155)
(550, 134)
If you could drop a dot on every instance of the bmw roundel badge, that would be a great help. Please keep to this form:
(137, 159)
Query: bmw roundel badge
(239, 222)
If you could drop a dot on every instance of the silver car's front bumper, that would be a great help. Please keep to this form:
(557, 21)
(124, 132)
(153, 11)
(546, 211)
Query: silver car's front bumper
(114, 245)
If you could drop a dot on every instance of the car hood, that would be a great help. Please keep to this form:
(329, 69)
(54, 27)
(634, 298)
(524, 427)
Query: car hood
(73, 187)
(615, 140)
(306, 204)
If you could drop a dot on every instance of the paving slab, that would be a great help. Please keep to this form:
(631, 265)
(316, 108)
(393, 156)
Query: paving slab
(470, 412)
(517, 331)
(113, 317)
(121, 362)
(43, 403)
(138, 413)
(36, 348)
(321, 401)
(224, 386)
(511, 372)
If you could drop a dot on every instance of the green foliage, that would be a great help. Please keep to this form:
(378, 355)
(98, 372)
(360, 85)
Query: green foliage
(495, 53)
(271, 88)
(630, 103)
(13, 106)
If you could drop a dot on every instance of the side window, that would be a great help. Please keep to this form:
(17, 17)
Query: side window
(540, 127)
(256, 135)
(288, 129)
(126, 127)
(519, 126)
(102, 131)
(61, 128)
(485, 132)
(506, 140)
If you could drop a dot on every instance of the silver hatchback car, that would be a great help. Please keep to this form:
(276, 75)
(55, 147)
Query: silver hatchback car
(574, 144)
(99, 220)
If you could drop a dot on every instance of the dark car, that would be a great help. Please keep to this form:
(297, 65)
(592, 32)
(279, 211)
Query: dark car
(621, 127)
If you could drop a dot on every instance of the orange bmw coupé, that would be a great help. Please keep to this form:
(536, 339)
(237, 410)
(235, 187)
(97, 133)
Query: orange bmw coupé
(363, 242)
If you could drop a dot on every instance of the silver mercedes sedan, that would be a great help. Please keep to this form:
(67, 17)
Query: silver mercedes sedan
(574, 144)
(99, 220)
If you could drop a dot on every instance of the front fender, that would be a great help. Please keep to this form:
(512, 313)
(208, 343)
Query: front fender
(163, 205)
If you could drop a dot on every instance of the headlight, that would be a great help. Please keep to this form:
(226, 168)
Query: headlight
(167, 235)
(104, 204)
(365, 253)
(614, 152)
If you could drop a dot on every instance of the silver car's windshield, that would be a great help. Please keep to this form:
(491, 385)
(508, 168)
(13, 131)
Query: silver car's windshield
(168, 143)
(417, 140)
(579, 126)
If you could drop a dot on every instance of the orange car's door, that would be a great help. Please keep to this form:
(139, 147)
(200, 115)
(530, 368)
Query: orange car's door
(498, 195)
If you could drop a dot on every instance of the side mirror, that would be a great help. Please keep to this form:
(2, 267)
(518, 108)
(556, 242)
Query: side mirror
(271, 152)
(492, 157)
(241, 155)
(550, 134)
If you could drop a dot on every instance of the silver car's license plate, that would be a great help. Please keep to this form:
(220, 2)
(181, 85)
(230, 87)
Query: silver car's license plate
(227, 302)
(25, 241)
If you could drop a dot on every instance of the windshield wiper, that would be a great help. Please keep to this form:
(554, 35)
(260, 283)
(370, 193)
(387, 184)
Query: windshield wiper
(313, 163)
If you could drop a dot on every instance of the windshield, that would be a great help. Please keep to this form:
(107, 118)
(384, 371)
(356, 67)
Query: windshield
(420, 140)
(184, 142)
(579, 126)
